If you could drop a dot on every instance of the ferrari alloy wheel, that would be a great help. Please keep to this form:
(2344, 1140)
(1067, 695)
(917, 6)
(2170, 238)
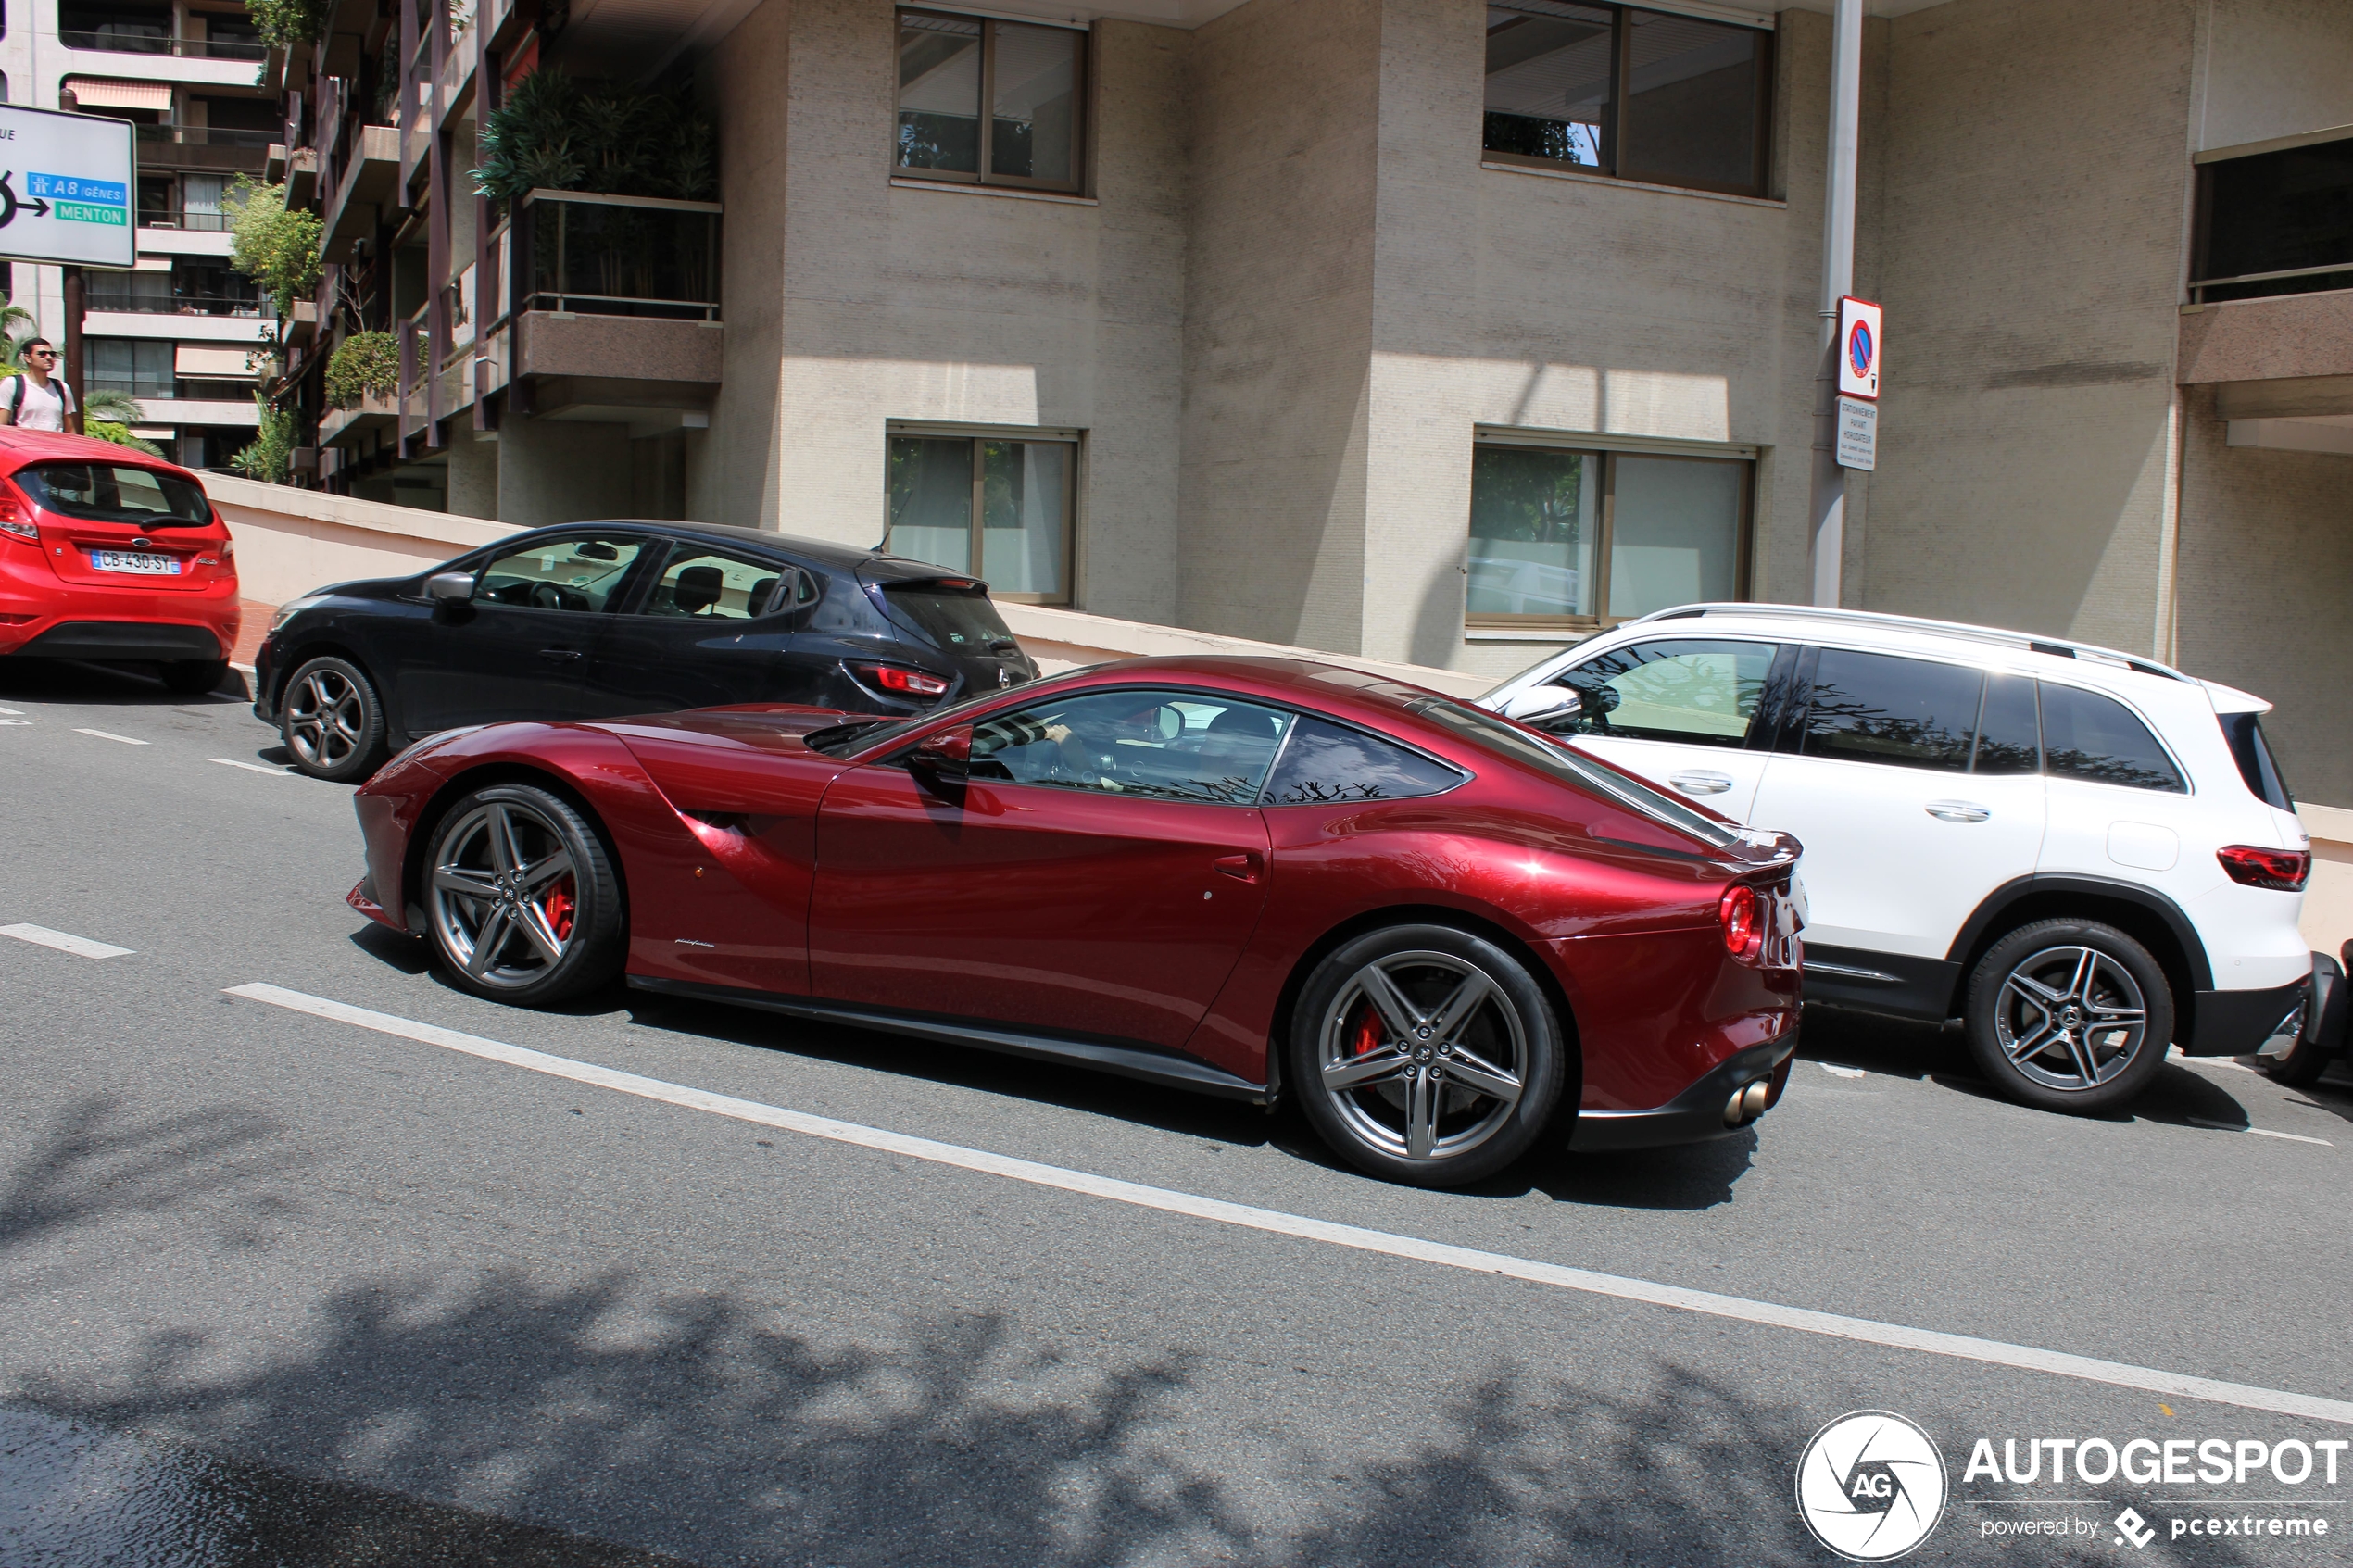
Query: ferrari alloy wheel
(331, 723)
(1426, 1055)
(521, 897)
(2069, 1015)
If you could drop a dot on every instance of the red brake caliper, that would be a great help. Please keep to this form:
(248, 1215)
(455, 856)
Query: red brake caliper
(560, 909)
(1367, 1035)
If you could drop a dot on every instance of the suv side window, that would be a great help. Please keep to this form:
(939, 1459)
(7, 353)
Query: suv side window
(1697, 693)
(578, 573)
(2089, 736)
(1158, 746)
(1883, 708)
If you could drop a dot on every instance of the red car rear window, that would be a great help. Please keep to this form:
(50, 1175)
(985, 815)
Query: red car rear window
(116, 493)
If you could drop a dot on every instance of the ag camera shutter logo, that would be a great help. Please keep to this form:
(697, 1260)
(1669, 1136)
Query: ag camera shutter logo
(1871, 1485)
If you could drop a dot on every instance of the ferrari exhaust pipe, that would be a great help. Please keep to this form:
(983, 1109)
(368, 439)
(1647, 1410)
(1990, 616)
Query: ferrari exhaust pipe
(1746, 1105)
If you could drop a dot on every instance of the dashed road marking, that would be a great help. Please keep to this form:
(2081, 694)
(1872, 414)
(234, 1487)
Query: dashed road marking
(2259, 1132)
(1839, 1070)
(13, 712)
(250, 767)
(1355, 1237)
(65, 942)
(104, 735)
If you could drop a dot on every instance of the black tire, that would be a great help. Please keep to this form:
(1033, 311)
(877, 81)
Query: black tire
(2324, 1034)
(196, 677)
(333, 721)
(498, 942)
(2098, 1056)
(1432, 1110)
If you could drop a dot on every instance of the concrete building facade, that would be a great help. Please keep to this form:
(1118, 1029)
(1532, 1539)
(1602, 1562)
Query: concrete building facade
(1357, 323)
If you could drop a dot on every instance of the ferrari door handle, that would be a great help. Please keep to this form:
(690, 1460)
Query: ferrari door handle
(1241, 867)
(1697, 781)
(1956, 812)
(560, 655)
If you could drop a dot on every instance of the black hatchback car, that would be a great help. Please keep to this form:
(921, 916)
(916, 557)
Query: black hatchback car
(598, 620)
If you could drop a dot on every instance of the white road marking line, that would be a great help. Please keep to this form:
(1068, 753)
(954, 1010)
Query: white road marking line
(1801, 1319)
(250, 767)
(1839, 1070)
(13, 712)
(103, 735)
(65, 942)
(2259, 1132)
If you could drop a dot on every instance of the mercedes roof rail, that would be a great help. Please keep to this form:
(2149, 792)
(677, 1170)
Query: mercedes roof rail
(2061, 647)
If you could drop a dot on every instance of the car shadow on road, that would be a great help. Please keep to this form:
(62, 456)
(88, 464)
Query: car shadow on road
(106, 685)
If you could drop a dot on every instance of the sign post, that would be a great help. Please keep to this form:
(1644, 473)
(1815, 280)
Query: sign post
(1858, 357)
(67, 184)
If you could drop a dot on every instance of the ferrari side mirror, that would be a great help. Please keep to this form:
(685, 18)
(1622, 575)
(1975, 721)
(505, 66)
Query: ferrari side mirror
(945, 757)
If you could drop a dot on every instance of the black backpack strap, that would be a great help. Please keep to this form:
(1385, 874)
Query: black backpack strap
(16, 398)
(65, 396)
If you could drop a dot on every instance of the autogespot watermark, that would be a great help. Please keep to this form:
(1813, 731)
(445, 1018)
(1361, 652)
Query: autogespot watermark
(1872, 1485)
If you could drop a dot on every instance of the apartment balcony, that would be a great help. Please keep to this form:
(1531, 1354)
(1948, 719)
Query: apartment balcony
(2275, 219)
(188, 323)
(116, 40)
(367, 177)
(202, 150)
(372, 417)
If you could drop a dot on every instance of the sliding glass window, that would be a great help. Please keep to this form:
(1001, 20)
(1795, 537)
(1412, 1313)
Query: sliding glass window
(1031, 81)
(1650, 95)
(998, 506)
(1583, 539)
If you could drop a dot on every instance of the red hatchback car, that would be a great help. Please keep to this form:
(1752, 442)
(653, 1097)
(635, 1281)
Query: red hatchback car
(108, 553)
(1444, 933)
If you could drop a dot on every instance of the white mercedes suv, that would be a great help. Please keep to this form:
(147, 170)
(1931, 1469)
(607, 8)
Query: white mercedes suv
(2079, 855)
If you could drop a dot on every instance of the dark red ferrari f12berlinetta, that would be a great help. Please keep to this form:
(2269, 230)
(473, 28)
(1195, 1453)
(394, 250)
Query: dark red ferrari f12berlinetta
(1446, 934)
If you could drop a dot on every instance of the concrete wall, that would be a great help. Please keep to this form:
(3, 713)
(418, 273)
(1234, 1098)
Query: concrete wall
(2025, 466)
(853, 301)
(2272, 68)
(555, 470)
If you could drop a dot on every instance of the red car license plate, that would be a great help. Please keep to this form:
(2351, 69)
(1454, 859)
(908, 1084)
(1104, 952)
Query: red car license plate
(135, 561)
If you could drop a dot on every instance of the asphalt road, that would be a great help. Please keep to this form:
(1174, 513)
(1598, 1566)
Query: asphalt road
(338, 1295)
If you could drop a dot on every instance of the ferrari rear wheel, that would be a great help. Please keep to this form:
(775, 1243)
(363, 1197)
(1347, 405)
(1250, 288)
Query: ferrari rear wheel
(521, 897)
(1426, 1055)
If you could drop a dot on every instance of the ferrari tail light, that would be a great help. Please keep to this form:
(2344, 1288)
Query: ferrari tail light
(898, 678)
(1742, 914)
(16, 517)
(2282, 871)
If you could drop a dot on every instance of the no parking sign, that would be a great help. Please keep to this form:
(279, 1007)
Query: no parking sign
(1859, 347)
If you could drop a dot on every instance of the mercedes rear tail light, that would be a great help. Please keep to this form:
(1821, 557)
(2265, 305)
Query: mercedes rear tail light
(2282, 871)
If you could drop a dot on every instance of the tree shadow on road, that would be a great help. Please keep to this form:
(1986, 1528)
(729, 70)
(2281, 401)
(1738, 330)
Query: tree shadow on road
(95, 1161)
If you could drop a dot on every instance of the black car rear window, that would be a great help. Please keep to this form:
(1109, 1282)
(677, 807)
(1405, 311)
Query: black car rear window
(959, 620)
(116, 493)
(2256, 765)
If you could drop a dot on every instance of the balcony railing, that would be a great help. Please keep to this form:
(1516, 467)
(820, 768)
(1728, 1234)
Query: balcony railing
(171, 305)
(621, 256)
(2275, 220)
(205, 137)
(127, 42)
(212, 222)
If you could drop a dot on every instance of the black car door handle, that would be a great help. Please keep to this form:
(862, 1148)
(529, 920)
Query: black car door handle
(560, 655)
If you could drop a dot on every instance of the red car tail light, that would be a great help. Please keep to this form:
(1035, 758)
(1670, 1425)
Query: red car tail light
(16, 518)
(897, 677)
(1742, 914)
(2282, 871)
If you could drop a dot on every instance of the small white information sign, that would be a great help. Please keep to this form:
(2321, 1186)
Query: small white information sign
(1858, 435)
(65, 181)
(1859, 347)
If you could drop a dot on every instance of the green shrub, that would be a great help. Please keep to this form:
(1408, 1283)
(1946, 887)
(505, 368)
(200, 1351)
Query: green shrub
(364, 364)
(276, 248)
(272, 449)
(556, 133)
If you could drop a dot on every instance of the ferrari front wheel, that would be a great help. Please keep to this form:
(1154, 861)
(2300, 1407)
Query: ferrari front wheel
(1426, 1055)
(521, 897)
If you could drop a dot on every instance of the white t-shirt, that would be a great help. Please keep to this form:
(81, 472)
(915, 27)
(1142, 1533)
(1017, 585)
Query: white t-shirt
(43, 409)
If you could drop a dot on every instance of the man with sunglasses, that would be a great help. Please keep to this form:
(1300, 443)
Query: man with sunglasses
(36, 398)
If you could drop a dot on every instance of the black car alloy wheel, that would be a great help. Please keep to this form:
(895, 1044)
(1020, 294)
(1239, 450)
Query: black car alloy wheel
(331, 722)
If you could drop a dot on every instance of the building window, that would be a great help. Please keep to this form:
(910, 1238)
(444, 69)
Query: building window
(1648, 95)
(2275, 222)
(141, 367)
(1585, 539)
(998, 506)
(1031, 81)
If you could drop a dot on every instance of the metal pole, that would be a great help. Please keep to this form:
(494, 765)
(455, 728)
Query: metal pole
(1827, 512)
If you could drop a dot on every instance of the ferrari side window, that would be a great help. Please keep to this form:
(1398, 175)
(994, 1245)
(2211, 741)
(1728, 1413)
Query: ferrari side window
(1160, 746)
(579, 573)
(1327, 763)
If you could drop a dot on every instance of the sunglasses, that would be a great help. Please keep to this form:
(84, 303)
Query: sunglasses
(43, 354)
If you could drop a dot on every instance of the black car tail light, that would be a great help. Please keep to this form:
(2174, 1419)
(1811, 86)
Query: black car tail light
(899, 681)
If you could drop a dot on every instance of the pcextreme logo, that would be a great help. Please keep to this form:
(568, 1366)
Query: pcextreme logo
(1870, 1485)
